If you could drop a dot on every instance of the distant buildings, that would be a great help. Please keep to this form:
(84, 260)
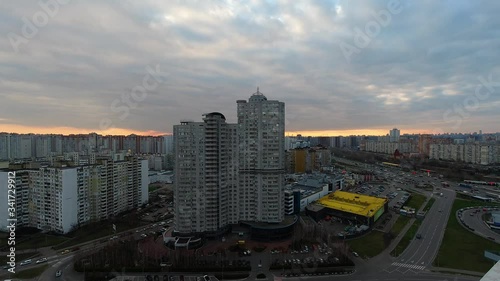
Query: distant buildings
(301, 160)
(475, 149)
(406, 146)
(308, 188)
(394, 135)
(66, 195)
(350, 142)
(475, 153)
(28, 146)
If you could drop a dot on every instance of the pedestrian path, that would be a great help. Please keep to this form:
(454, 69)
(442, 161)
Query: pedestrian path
(411, 266)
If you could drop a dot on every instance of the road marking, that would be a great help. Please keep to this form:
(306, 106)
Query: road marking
(411, 266)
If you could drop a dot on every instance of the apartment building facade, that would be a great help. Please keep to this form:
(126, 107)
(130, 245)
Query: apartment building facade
(205, 186)
(230, 173)
(475, 153)
(59, 198)
(261, 145)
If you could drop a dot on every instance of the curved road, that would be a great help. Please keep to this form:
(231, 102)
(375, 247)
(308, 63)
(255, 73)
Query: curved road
(475, 220)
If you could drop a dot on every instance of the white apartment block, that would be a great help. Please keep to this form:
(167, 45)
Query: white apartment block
(475, 153)
(390, 147)
(394, 135)
(53, 199)
(261, 141)
(21, 199)
(60, 198)
(168, 140)
(25, 146)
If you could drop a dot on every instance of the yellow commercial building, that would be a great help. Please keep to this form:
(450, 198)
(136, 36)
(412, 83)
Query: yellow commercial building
(352, 206)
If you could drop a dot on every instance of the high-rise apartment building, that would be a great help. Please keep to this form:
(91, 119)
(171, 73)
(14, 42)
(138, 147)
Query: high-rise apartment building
(394, 135)
(205, 175)
(229, 173)
(261, 145)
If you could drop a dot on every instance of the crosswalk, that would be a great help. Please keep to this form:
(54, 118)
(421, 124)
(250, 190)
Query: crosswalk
(411, 266)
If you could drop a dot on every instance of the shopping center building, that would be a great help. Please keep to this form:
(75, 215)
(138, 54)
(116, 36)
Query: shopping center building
(350, 207)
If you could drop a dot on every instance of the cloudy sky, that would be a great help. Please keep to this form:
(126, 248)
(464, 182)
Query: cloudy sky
(341, 67)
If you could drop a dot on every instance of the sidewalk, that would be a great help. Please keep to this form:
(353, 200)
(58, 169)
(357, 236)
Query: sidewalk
(385, 254)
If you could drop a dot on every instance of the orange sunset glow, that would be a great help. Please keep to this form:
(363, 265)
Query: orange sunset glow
(11, 128)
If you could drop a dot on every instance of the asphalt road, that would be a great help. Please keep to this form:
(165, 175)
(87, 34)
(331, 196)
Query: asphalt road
(476, 222)
(65, 265)
(420, 254)
(387, 277)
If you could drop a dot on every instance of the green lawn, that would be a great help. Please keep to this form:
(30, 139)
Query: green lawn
(374, 243)
(416, 201)
(398, 226)
(429, 204)
(40, 240)
(369, 245)
(153, 187)
(31, 273)
(462, 249)
(91, 232)
(405, 241)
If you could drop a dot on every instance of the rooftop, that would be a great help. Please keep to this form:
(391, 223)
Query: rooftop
(353, 203)
(257, 96)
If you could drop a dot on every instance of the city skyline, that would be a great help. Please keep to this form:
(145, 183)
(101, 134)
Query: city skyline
(335, 76)
(327, 133)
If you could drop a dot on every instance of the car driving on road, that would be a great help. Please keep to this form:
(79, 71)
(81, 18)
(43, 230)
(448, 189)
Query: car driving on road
(26, 262)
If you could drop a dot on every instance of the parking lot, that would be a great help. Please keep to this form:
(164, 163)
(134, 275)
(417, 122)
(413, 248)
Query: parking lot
(396, 195)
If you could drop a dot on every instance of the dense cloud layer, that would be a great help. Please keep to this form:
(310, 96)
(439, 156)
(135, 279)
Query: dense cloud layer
(337, 65)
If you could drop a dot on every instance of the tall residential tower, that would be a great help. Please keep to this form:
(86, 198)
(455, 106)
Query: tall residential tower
(261, 145)
(205, 174)
(230, 173)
